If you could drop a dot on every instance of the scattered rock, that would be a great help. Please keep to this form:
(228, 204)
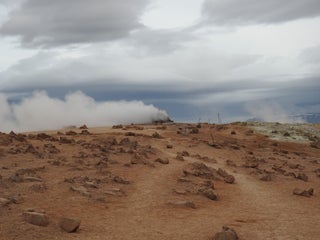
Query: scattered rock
(226, 234)
(83, 127)
(295, 166)
(51, 148)
(117, 126)
(82, 190)
(36, 218)
(40, 188)
(114, 192)
(194, 130)
(230, 163)
(185, 154)
(85, 132)
(120, 180)
(180, 191)
(304, 193)
(130, 134)
(315, 144)
(179, 157)
(4, 202)
(188, 204)
(156, 135)
(302, 176)
(182, 179)
(32, 179)
(43, 136)
(16, 198)
(266, 178)
(90, 184)
(71, 133)
(69, 225)
(66, 140)
(209, 193)
(250, 164)
(229, 179)
(162, 161)
(169, 146)
(201, 170)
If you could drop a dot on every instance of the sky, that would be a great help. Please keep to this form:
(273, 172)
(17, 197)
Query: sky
(190, 59)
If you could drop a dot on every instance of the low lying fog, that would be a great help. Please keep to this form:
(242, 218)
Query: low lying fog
(41, 112)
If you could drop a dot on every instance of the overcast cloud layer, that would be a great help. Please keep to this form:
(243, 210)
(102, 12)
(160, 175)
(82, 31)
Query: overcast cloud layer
(252, 11)
(235, 58)
(51, 23)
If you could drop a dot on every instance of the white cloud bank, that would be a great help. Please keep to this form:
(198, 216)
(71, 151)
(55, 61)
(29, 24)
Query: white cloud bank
(41, 112)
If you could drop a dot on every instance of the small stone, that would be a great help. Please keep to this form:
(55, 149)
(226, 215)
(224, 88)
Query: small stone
(169, 146)
(179, 157)
(230, 163)
(266, 178)
(194, 130)
(302, 177)
(16, 199)
(226, 234)
(85, 132)
(32, 179)
(36, 218)
(229, 179)
(69, 225)
(162, 161)
(4, 202)
(90, 184)
(188, 204)
(180, 191)
(210, 194)
(156, 135)
(82, 190)
(304, 193)
(71, 133)
(120, 180)
(83, 127)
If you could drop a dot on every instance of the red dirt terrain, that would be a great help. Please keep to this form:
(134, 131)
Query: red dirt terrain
(162, 181)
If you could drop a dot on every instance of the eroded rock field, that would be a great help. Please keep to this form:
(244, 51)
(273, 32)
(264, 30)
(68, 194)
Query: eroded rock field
(162, 181)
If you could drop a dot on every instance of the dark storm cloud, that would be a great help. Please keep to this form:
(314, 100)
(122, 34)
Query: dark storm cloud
(59, 22)
(253, 11)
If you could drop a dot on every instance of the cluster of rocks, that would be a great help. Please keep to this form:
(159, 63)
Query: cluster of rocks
(189, 129)
(40, 218)
(198, 179)
(266, 170)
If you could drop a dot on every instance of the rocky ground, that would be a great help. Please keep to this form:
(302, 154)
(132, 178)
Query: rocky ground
(163, 181)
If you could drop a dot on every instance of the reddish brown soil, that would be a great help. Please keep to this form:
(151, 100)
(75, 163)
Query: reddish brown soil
(131, 196)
